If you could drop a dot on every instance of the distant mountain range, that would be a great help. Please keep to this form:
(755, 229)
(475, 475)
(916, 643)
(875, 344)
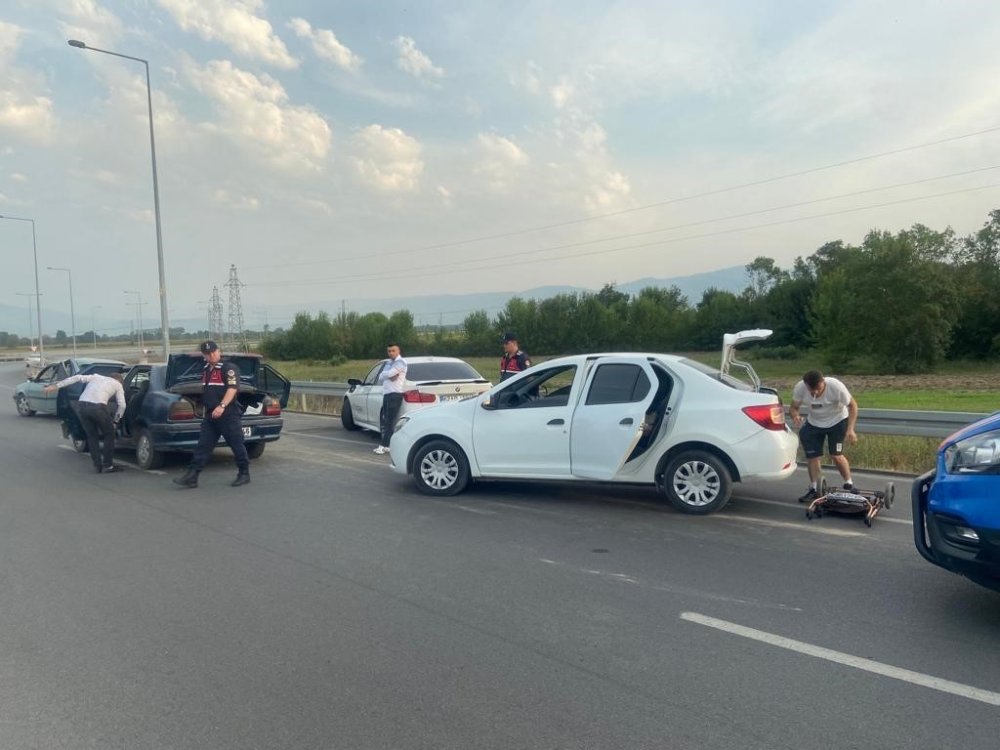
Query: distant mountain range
(444, 309)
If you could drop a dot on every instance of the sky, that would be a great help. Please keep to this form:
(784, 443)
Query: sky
(342, 150)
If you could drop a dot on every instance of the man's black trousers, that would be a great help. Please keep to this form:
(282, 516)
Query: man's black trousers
(96, 421)
(390, 410)
(228, 426)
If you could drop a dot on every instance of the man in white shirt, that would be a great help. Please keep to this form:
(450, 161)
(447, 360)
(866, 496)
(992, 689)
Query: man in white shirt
(95, 418)
(392, 378)
(833, 413)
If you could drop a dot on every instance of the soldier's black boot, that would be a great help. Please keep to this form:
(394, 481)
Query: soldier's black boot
(189, 479)
(242, 478)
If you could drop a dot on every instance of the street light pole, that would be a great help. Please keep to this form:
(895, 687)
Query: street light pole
(72, 310)
(38, 294)
(138, 308)
(164, 321)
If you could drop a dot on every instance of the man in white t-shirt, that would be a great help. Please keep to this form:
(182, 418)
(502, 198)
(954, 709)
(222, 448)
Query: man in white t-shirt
(832, 414)
(392, 378)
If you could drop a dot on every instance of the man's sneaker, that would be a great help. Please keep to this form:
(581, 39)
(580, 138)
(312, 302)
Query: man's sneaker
(381, 450)
(113, 469)
(810, 495)
(849, 486)
(241, 479)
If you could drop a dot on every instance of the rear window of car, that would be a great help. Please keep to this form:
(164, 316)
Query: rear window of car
(424, 371)
(102, 369)
(716, 375)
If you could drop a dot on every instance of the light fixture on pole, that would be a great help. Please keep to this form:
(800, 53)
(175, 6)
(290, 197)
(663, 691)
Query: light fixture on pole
(93, 323)
(164, 321)
(31, 329)
(38, 293)
(138, 308)
(72, 310)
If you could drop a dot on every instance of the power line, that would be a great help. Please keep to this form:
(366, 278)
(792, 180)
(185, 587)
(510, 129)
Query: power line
(634, 209)
(687, 225)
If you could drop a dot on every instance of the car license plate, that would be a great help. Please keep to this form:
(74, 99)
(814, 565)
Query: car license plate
(247, 431)
(451, 398)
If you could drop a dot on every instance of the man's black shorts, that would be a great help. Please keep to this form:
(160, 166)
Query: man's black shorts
(812, 439)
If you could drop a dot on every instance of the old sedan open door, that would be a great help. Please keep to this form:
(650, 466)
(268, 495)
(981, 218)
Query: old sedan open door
(608, 421)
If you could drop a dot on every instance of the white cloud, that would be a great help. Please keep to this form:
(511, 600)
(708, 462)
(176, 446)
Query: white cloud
(255, 112)
(413, 61)
(86, 20)
(326, 45)
(388, 159)
(18, 177)
(561, 93)
(238, 202)
(23, 112)
(235, 23)
(500, 161)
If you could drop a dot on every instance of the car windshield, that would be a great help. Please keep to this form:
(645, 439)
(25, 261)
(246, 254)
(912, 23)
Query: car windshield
(716, 375)
(426, 371)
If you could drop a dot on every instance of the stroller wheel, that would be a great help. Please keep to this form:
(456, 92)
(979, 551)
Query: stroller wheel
(823, 486)
(890, 494)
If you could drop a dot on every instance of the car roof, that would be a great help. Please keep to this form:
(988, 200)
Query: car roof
(424, 359)
(607, 355)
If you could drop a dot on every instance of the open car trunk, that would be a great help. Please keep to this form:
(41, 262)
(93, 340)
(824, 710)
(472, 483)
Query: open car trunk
(257, 379)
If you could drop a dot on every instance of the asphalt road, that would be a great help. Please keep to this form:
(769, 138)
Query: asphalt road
(327, 605)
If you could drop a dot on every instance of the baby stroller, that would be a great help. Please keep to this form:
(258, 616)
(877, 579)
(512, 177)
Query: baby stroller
(868, 503)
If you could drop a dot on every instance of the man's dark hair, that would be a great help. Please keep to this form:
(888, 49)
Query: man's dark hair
(812, 379)
(393, 343)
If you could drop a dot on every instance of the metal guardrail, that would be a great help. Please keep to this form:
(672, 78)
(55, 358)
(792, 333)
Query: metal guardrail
(934, 424)
(310, 388)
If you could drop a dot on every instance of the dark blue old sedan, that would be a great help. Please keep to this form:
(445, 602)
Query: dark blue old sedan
(163, 409)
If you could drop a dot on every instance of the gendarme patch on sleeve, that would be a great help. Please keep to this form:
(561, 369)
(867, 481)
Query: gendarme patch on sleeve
(231, 378)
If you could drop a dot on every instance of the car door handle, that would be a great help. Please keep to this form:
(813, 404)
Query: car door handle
(626, 422)
(555, 422)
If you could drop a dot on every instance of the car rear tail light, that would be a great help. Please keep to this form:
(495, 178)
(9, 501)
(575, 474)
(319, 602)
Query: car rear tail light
(768, 416)
(416, 397)
(272, 407)
(181, 410)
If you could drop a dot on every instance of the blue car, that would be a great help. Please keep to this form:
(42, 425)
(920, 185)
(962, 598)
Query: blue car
(163, 410)
(956, 506)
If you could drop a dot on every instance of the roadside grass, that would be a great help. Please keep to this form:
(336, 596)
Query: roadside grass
(909, 455)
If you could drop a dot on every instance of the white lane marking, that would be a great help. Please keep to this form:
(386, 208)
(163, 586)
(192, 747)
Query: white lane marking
(480, 511)
(119, 461)
(881, 518)
(857, 662)
(806, 526)
(669, 588)
(8, 387)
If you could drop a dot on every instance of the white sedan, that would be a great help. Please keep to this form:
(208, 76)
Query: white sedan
(429, 381)
(656, 419)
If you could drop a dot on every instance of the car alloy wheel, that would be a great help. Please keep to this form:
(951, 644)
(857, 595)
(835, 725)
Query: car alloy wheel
(440, 468)
(22, 406)
(347, 415)
(696, 482)
(145, 455)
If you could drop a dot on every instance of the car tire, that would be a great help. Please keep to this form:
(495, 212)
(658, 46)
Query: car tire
(696, 482)
(146, 456)
(21, 402)
(347, 416)
(255, 450)
(440, 468)
(80, 445)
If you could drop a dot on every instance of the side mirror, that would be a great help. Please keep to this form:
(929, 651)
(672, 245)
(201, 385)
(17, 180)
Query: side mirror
(353, 382)
(487, 404)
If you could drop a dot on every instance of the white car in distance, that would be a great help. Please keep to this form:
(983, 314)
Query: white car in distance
(638, 418)
(430, 381)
